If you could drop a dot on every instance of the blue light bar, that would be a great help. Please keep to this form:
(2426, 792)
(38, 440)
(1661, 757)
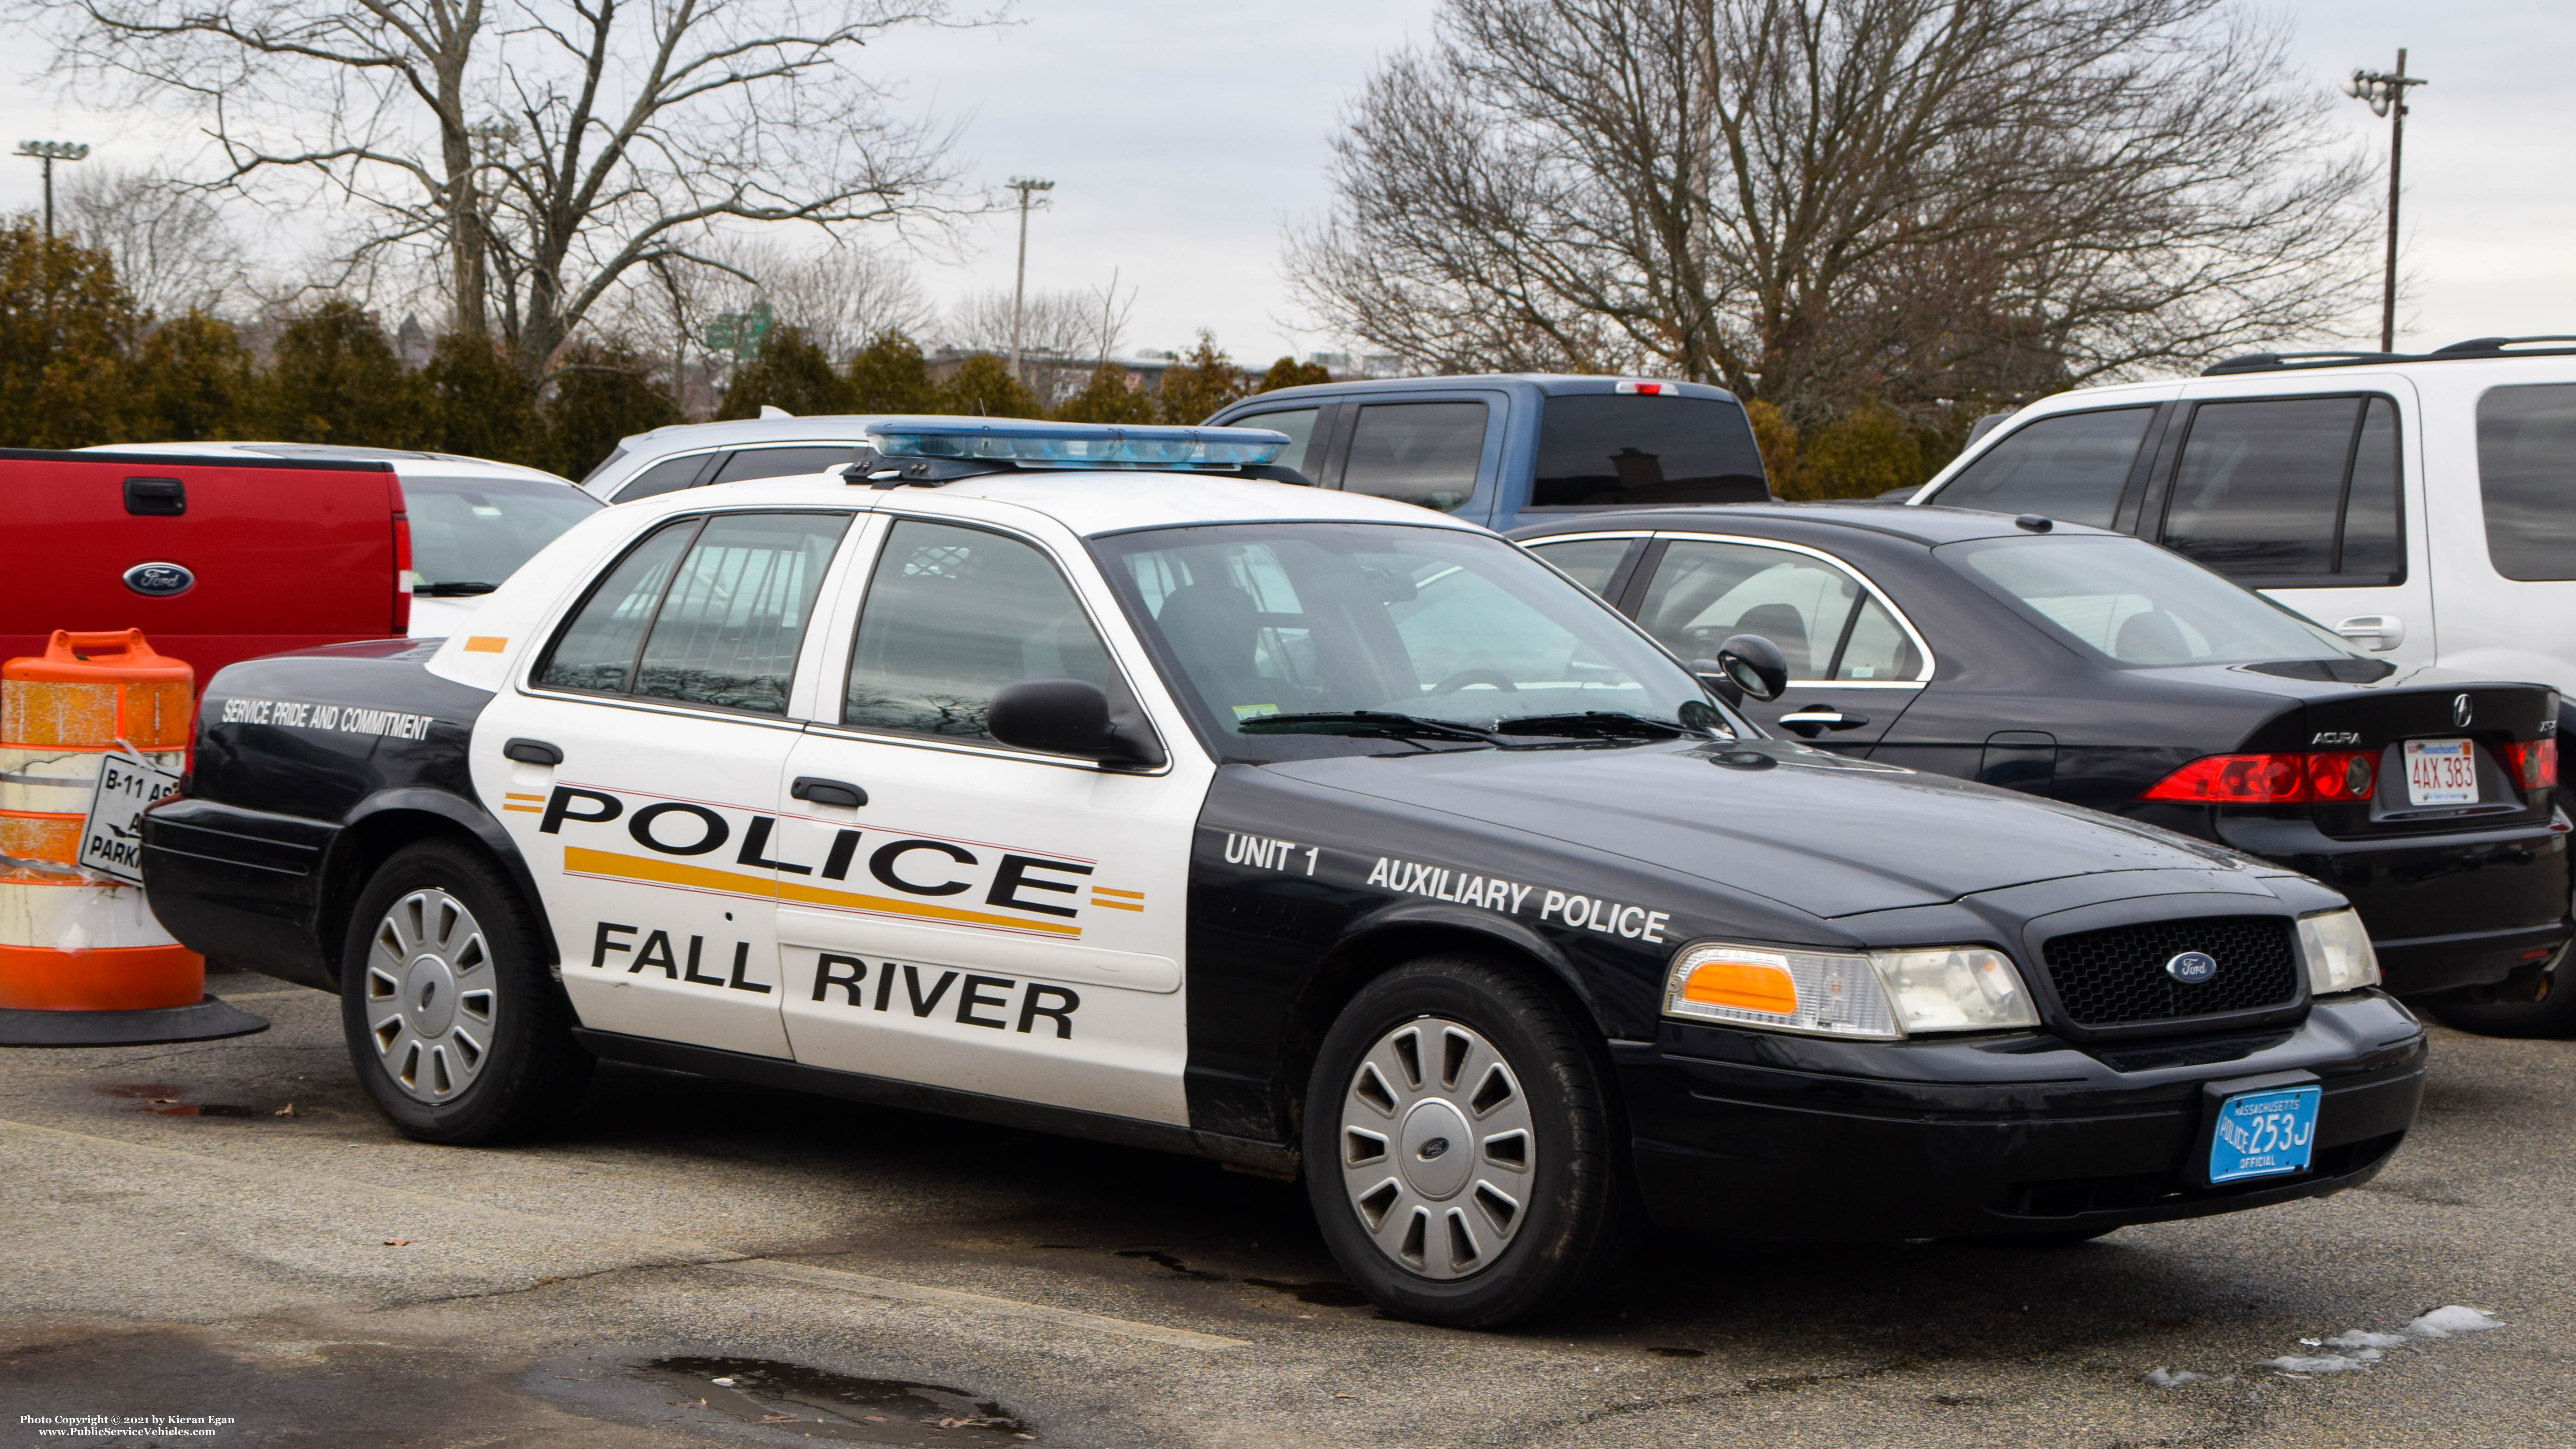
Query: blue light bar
(1073, 445)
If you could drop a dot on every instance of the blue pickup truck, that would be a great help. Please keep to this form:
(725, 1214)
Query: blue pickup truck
(1509, 449)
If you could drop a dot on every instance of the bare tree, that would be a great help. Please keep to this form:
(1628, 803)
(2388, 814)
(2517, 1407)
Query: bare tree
(1820, 200)
(545, 148)
(1063, 334)
(171, 247)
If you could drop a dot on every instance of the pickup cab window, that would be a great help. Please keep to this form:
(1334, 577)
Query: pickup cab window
(1425, 452)
(1598, 450)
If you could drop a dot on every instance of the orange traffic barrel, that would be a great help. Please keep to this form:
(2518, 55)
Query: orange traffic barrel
(82, 960)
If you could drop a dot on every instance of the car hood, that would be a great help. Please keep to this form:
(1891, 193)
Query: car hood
(1811, 830)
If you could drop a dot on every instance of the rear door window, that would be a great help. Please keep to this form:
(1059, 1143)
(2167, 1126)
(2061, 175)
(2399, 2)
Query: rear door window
(752, 463)
(2527, 479)
(1425, 452)
(668, 476)
(2290, 488)
(1826, 625)
(1608, 450)
(2072, 466)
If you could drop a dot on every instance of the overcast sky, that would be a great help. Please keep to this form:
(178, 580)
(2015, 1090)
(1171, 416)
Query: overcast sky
(1183, 135)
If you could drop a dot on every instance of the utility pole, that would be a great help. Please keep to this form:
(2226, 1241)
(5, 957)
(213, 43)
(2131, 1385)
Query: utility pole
(47, 153)
(2386, 93)
(1025, 186)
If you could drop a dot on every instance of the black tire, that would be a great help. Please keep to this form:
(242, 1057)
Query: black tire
(1575, 1204)
(505, 1064)
(2554, 1015)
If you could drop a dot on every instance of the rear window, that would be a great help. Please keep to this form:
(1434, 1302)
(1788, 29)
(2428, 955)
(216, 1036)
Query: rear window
(479, 530)
(2139, 604)
(2527, 476)
(1608, 450)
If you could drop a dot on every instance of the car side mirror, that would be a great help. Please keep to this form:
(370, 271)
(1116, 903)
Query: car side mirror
(1069, 717)
(1755, 665)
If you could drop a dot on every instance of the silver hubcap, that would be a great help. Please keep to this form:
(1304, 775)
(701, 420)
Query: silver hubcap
(431, 995)
(1437, 1152)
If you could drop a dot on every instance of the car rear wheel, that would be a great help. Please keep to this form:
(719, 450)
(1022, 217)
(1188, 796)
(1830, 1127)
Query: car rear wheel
(1459, 1147)
(452, 1023)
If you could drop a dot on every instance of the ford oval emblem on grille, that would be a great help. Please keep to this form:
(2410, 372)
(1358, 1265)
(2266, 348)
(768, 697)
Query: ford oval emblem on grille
(160, 580)
(2192, 967)
(2460, 712)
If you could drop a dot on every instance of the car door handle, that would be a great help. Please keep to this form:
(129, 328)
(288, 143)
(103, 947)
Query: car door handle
(827, 792)
(532, 752)
(1814, 719)
(2378, 632)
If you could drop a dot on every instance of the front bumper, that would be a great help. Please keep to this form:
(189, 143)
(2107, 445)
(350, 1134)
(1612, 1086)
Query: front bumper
(2464, 909)
(1778, 1137)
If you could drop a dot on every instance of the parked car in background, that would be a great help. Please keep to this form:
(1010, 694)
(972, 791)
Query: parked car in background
(694, 455)
(471, 521)
(2096, 669)
(2417, 504)
(1507, 449)
(215, 556)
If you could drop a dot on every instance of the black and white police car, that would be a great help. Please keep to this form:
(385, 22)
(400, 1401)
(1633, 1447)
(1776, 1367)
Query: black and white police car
(1095, 781)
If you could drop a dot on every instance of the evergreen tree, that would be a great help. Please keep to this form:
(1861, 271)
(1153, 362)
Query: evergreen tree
(193, 382)
(790, 373)
(984, 388)
(1289, 372)
(1200, 383)
(889, 376)
(1777, 437)
(334, 379)
(599, 393)
(1861, 454)
(65, 330)
(1109, 396)
(478, 403)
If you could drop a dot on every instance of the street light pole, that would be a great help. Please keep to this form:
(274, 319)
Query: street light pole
(2386, 93)
(46, 154)
(1025, 186)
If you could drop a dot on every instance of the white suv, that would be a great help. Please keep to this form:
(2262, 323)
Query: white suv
(2422, 506)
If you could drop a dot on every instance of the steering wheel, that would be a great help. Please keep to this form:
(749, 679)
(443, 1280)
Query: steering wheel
(1465, 677)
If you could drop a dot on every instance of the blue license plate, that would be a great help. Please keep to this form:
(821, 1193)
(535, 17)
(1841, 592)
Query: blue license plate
(2264, 1134)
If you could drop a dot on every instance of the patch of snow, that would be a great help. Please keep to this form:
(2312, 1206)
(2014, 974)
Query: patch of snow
(2165, 1378)
(2450, 1319)
(2325, 1363)
(2358, 1338)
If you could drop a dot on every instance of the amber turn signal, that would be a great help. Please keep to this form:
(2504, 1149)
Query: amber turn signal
(1744, 985)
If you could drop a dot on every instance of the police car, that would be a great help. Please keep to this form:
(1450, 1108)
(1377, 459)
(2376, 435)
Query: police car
(1103, 782)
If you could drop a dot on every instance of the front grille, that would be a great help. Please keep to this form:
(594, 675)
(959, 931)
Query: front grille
(2116, 976)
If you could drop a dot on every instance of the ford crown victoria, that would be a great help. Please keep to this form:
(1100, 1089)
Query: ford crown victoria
(1098, 782)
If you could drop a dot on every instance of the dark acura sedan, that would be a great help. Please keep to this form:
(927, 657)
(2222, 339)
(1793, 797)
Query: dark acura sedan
(2104, 671)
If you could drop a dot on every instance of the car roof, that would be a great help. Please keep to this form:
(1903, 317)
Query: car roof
(403, 460)
(1089, 501)
(735, 432)
(1546, 384)
(1929, 525)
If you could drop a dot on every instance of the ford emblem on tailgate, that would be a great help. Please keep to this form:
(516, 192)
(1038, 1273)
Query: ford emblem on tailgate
(2192, 967)
(159, 580)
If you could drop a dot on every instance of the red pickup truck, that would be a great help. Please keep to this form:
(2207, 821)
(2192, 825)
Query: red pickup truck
(216, 559)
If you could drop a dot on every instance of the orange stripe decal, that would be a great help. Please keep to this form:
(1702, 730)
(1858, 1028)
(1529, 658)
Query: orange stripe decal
(526, 809)
(1116, 905)
(1122, 895)
(484, 644)
(581, 861)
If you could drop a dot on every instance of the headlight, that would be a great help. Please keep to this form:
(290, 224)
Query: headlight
(2338, 952)
(1883, 995)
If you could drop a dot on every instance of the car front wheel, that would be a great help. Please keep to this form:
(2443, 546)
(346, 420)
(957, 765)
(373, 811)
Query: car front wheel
(1459, 1148)
(451, 1020)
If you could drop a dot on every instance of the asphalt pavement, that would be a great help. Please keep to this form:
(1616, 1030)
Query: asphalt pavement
(693, 1263)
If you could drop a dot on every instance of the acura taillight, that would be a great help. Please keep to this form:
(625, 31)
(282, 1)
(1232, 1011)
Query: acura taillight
(2534, 763)
(2288, 779)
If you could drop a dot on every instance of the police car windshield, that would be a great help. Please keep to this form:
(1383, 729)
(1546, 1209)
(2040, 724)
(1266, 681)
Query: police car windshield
(1261, 620)
(479, 530)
